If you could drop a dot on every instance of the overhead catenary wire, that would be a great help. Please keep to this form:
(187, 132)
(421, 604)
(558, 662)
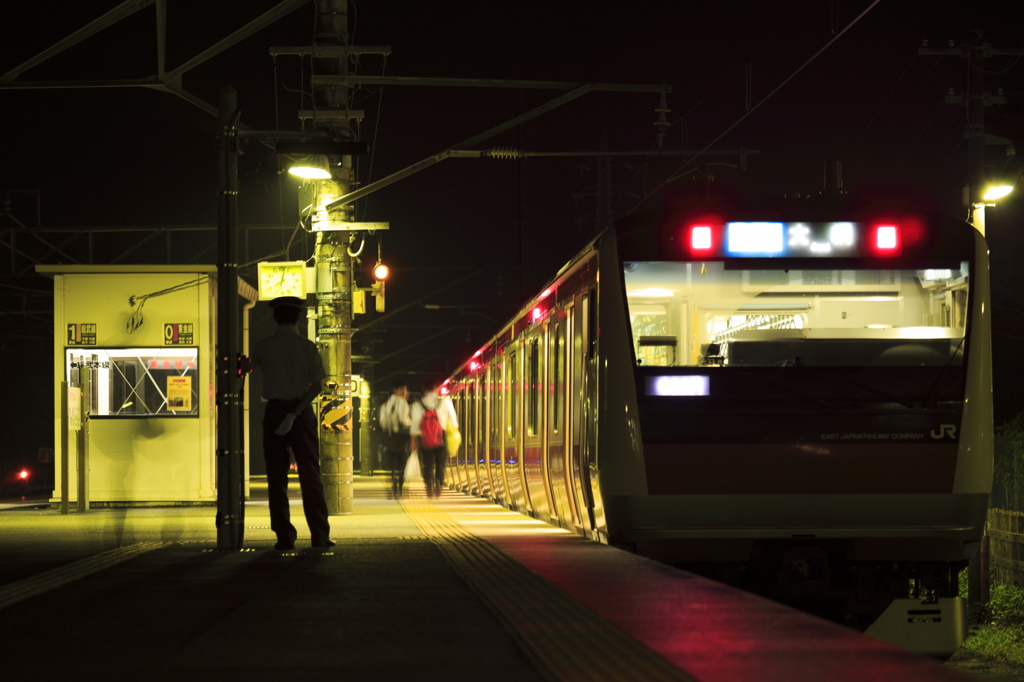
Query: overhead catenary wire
(642, 166)
(893, 119)
(757, 106)
(864, 130)
(920, 132)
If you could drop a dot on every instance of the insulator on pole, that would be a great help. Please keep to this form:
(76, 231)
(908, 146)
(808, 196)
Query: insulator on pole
(503, 153)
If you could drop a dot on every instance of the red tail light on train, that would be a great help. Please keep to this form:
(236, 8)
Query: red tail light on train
(886, 239)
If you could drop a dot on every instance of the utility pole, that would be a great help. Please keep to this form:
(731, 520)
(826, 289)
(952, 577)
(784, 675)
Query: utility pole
(976, 101)
(334, 264)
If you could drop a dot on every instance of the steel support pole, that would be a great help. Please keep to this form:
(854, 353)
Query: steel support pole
(230, 484)
(64, 445)
(85, 398)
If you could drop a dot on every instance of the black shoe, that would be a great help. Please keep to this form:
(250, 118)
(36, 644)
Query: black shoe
(326, 543)
(283, 546)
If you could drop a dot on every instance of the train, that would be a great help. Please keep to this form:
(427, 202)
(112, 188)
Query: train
(793, 396)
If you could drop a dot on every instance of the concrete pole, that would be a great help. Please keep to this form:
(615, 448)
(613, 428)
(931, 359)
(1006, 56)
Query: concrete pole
(334, 274)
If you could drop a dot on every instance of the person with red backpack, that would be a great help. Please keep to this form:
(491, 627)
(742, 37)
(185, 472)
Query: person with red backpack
(432, 416)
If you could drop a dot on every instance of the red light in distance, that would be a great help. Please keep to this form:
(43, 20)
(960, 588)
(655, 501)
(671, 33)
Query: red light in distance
(23, 474)
(536, 314)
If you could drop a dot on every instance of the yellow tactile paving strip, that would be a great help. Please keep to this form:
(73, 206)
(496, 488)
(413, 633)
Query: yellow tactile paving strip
(564, 639)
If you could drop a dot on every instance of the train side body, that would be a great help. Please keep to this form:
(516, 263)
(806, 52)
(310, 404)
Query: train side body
(802, 408)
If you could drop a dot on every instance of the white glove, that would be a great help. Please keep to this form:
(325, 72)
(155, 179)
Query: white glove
(286, 425)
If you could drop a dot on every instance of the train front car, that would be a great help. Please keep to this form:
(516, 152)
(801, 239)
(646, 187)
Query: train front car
(813, 407)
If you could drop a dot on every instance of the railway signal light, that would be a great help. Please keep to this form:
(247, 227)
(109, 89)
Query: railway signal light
(381, 272)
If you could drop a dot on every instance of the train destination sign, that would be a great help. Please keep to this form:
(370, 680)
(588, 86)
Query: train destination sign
(795, 239)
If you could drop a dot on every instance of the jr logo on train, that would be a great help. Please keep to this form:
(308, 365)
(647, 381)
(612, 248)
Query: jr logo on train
(791, 396)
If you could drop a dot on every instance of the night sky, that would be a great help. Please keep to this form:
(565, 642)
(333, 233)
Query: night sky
(132, 156)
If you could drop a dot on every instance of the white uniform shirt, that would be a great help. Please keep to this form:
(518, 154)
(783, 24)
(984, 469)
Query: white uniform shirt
(394, 414)
(442, 405)
(289, 364)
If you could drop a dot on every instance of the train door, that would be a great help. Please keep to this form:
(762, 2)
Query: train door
(513, 439)
(469, 437)
(557, 471)
(456, 462)
(496, 442)
(483, 431)
(479, 463)
(533, 421)
(579, 469)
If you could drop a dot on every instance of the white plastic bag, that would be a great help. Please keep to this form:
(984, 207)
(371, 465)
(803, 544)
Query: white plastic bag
(412, 468)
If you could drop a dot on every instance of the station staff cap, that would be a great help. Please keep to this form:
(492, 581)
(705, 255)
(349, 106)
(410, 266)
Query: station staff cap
(287, 301)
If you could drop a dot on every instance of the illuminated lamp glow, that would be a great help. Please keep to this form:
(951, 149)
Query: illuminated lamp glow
(997, 192)
(700, 238)
(473, 365)
(381, 271)
(544, 294)
(23, 474)
(478, 353)
(679, 385)
(755, 238)
(536, 314)
(653, 292)
(314, 167)
(887, 238)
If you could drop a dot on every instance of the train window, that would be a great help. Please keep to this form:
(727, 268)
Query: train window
(533, 386)
(705, 314)
(497, 413)
(485, 407)
(512, 384)
(558, 367)
(467, 421)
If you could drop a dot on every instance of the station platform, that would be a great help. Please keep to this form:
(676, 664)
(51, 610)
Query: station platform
(453, 588)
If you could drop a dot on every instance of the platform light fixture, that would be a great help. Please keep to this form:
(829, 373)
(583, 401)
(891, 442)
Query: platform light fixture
(312, 167)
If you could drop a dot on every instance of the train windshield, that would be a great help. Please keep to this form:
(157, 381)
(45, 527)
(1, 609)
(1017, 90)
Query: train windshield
(714, 315)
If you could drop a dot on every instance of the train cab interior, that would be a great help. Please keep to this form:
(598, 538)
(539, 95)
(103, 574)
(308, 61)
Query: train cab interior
(707, 315)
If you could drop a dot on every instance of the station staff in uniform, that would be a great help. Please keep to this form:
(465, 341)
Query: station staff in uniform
(293, 375)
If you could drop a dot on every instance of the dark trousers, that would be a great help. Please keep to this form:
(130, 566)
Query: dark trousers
(432, 463)
(396, 460)
(306, 449)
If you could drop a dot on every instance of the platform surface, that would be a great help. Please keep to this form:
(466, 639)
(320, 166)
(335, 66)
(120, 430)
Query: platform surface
(454, 587)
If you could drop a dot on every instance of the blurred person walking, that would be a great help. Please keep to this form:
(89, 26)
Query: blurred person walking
(432, 417)
(395, 421)
(293, 376)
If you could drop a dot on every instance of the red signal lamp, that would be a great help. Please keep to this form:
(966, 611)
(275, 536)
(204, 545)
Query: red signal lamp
(23, 474)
